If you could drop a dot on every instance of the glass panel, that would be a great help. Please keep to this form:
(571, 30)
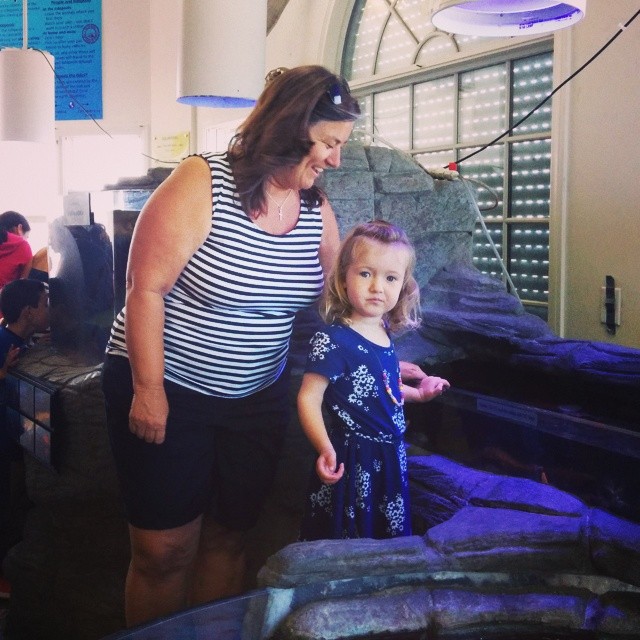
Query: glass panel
(13, 391)
(367, 20)
(487, 167)
(434, 113)
(392, 116)
(482, 104)
(362, 128)
(530, 179)
(13, 424)
(27, 399)
(529, 260)
(42, 407)
(532, 82)
(439, 46)
(42, 444)
(27, 435)
(541, 312)
(415, 16)
(484, 257)
(406, 35)
(397, 49)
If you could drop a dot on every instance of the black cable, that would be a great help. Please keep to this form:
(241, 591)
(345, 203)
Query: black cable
(562, 84)
(71, 96)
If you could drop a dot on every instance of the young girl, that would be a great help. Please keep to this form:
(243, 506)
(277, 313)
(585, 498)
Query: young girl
(361, 489)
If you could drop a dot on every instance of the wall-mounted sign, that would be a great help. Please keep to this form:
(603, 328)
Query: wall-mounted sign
(71, 31)
(77, 209)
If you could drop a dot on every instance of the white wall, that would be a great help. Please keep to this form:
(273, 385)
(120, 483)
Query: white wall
(602, 165)
(596, 193)
(125, 70)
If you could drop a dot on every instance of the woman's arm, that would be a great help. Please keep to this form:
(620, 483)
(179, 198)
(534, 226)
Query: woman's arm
(330, 241)
(427, 389)
(25, 269)
(310, 399)
(173, 223)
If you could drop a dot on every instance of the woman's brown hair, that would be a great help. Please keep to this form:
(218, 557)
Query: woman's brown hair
(276, 132)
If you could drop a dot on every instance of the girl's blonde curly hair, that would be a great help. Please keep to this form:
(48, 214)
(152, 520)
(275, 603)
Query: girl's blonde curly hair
(335, 305)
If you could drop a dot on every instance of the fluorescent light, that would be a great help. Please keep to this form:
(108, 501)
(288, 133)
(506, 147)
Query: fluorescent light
(222, 53)
(27, 96)
(506, 17)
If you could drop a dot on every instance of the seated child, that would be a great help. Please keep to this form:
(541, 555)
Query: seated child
(24, 305)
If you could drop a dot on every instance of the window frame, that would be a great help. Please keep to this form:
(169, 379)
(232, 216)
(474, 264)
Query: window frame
(485, 54)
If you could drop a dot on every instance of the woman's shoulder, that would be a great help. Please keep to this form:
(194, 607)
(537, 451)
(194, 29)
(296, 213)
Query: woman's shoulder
(218, 159)
(219, 167)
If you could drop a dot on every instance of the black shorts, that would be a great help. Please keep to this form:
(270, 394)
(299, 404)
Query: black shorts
(219, 456)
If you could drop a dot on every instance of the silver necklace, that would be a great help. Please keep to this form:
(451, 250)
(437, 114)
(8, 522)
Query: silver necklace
(279, 206)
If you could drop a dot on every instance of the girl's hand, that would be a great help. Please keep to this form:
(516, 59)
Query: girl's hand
(430, 387)
(326, 467)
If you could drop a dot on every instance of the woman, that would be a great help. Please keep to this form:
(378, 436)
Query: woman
(224, 253)
(15, 251)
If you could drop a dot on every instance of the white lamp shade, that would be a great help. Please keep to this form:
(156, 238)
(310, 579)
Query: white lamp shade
(506, 17)
(221, 59)
(27, 96)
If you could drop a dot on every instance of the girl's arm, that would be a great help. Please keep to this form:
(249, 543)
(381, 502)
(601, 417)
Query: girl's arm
(310, 399)
(173, 223)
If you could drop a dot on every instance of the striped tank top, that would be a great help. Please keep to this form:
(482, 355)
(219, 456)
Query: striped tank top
(229, 316)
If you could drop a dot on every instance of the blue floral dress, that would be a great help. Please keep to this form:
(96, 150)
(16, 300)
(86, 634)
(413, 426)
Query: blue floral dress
(371, 500)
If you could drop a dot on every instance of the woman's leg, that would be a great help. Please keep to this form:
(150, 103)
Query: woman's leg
(220, 564)
(158, 577)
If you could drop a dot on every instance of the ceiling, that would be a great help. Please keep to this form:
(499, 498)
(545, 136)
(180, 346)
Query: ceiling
(274, 10)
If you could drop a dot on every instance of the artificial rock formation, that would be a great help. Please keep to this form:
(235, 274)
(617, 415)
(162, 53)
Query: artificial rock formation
(500, 556)
(68, 572)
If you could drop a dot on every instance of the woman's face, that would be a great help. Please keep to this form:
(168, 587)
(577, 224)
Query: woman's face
(328, 139)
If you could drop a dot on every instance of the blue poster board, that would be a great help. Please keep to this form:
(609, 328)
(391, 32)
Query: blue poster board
(71, 31)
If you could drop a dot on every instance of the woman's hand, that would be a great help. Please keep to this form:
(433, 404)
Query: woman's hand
(326, 467)
(148, 415)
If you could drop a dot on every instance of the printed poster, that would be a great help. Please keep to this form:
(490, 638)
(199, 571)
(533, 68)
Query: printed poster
(71, 31)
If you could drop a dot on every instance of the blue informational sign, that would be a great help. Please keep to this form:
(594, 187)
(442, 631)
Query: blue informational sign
(71, 31)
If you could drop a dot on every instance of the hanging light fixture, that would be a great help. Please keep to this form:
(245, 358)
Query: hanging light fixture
(27, 92)
(506, 17)
(222, 52)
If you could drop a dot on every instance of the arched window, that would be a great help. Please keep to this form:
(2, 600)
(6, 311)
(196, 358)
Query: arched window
(442, 98)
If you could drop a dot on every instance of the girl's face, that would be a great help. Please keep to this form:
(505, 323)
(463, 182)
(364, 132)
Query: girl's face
(328, 139)
(374, 279)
